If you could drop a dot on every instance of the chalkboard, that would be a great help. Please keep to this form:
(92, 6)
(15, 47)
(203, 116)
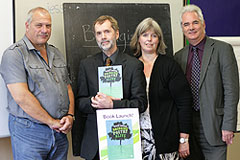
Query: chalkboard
(80, 40)
(79, 37)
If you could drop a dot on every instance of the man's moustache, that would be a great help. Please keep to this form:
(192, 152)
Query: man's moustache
(104, 41)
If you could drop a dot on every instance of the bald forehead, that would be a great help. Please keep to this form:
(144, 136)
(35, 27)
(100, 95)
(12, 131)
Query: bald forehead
(41, 14)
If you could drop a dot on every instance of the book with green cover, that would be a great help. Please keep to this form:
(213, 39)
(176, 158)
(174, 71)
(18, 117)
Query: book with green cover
(110, 81)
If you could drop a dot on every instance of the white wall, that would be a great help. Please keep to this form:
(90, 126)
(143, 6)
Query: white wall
(6, 39)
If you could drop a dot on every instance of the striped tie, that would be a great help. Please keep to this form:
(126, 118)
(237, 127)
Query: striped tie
(195, 78)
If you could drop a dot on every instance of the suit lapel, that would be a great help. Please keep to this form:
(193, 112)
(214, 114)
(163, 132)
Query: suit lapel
(121, 60)
(98, 61)
(185, 58)
(207, 53)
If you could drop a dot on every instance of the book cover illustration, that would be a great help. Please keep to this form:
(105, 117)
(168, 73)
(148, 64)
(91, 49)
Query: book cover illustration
(110, 80)
(120, 139)
(119, 134)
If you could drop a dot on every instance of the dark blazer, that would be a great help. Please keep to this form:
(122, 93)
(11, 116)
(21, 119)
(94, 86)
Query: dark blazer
(219, 88)
(170, 102)
(134, 94)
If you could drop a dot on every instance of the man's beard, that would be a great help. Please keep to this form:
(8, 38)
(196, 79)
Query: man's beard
(108, 46)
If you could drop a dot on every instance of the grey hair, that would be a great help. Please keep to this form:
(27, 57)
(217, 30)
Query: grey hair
(32, 11)
(192, 8)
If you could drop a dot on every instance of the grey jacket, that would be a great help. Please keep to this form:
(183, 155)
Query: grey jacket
(219, 88)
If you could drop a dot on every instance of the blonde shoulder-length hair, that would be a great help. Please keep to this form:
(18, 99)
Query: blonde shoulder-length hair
(144, 26)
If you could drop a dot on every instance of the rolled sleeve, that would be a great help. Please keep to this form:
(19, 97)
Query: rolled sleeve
(12, 67)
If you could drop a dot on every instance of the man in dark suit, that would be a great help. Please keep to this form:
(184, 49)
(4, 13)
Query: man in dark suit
(216, 94)
(89, 99)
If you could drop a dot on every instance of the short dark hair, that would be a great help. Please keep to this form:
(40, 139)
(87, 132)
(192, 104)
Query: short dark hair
(103, 18)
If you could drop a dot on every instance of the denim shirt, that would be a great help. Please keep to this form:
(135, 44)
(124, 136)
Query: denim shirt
(22, 63)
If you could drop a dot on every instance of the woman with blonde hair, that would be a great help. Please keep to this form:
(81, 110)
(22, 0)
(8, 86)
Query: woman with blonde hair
(166, 124)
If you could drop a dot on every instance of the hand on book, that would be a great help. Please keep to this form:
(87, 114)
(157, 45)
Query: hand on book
(101, 101)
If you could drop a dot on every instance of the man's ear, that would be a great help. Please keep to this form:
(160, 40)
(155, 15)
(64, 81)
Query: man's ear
(117, 34)
(26, 25)
(204, 24)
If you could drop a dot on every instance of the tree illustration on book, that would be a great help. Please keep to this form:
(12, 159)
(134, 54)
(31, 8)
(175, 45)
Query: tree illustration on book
(110, 75)
(120, 139)
(120, 132)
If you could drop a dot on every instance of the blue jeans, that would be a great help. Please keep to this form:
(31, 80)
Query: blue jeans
(33, 141)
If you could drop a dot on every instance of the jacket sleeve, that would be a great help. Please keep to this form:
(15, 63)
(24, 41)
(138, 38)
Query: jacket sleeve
(230, 80)
(181, 93)
(137, 89)
(83, 99)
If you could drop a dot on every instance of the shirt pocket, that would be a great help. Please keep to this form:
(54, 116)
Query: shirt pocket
(37, 75)
(60, 69)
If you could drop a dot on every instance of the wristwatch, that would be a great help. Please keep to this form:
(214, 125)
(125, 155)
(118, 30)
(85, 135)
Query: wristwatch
(71, 116)
(183, 140)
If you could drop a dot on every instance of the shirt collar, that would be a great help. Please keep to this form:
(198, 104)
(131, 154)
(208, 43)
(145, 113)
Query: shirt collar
(200, 45)
(113, 57)
(29, 44)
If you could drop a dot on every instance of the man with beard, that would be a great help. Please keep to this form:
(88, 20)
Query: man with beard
(89, 99)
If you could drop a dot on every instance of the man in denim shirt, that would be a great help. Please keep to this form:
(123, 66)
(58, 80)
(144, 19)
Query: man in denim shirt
(40, 97)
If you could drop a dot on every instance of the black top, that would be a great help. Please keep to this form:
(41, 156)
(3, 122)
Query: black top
(170, 102)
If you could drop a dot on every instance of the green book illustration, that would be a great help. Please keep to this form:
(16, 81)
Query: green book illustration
(119, 139)
(110, 80)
